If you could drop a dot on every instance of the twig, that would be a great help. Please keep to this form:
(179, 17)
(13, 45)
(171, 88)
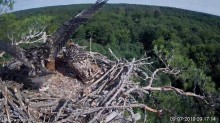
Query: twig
(170, 88)
(153, 76)
(113, 55)
(90, 45)
(6, 105)
(60, 110)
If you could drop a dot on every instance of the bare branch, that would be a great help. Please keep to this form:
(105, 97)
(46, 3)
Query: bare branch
(35, 35)
(170, 88)
(113, 55)
(1, 54)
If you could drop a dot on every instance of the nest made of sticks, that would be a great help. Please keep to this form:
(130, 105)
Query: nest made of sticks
(111, 97)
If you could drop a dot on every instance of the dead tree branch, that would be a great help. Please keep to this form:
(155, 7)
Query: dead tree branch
(34, 35)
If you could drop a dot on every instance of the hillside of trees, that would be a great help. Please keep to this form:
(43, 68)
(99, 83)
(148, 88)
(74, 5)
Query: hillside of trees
(181, 39)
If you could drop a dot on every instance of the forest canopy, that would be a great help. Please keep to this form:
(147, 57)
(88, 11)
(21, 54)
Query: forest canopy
(183, 40)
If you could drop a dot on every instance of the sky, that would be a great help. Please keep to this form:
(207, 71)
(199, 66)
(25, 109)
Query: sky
(206, 6)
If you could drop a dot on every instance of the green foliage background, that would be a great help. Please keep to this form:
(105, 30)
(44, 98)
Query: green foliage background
(186, 40)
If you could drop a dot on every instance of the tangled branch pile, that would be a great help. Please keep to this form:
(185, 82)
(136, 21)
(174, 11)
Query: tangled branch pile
(110, 96)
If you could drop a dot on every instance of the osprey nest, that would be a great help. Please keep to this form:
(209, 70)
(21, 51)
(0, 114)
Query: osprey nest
(87, 87)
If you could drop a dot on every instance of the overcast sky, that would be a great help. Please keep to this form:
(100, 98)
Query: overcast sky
(206, 6)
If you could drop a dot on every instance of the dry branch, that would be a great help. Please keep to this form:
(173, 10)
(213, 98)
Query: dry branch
(34, 36)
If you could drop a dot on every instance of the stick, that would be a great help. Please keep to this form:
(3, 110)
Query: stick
(60, 110)
(113, 54)
(6, 105)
